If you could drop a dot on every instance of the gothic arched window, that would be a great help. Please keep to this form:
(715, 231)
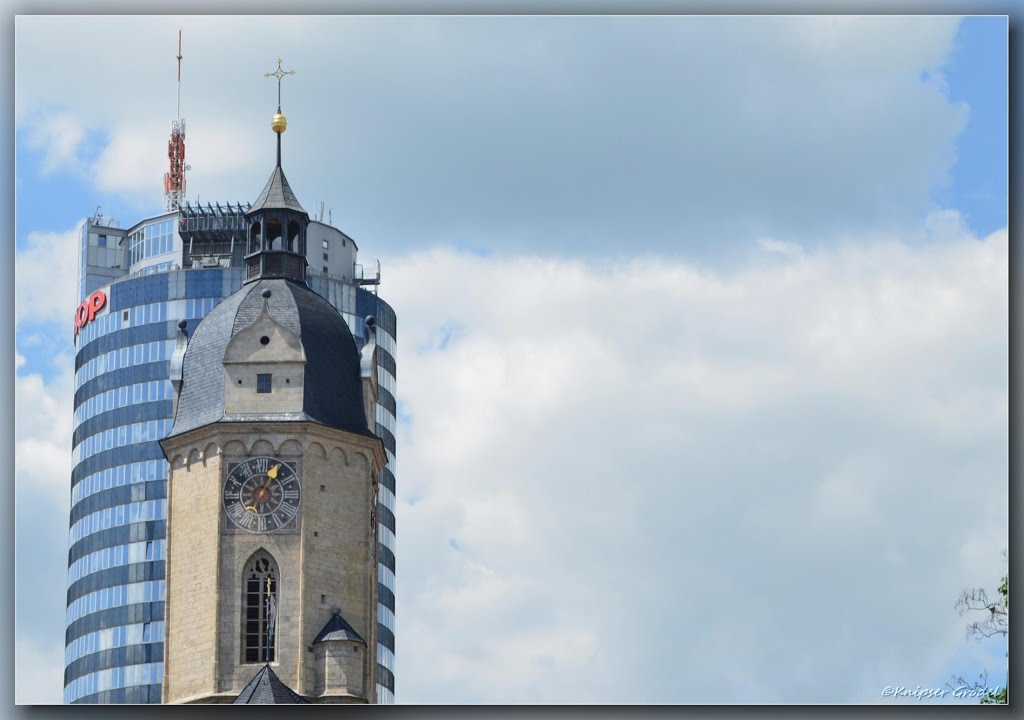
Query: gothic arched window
(259, 612)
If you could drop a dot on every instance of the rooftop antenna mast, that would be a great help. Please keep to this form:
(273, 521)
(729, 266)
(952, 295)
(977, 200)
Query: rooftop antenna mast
(174, 180)
(178, 108)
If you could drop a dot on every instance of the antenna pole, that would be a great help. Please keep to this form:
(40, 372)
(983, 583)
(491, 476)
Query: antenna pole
(179, 74)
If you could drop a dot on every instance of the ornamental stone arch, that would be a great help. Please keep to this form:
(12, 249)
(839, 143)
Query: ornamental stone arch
(235, 448)
(261, 447)
(290, 447)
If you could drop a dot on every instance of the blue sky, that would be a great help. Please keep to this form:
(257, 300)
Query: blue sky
(619, 249)
(977, 75)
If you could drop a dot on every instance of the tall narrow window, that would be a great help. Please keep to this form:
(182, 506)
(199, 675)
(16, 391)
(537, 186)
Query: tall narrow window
(260, 612)
(264, 383)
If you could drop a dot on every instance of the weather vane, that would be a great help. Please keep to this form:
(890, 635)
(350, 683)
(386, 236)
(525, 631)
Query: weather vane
(279, 73)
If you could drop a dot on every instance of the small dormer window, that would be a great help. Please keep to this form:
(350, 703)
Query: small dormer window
(264, 383)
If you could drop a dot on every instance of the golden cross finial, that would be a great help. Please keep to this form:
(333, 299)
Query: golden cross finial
(279, 73)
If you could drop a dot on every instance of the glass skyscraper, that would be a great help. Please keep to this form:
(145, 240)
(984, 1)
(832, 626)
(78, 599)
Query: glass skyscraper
(135, 286)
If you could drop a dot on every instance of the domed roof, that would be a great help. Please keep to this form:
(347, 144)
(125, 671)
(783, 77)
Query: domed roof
(332, 386)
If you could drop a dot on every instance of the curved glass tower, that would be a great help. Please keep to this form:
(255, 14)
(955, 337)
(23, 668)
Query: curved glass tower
(135, 285)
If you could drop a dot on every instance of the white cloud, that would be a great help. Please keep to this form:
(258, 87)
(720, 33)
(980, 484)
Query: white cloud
(133, 162)
(38, 673)
(787, 249)
(768, 485)
(59, 135)
(45, 273)
(42, 471)
(581, 131)
(42, 434)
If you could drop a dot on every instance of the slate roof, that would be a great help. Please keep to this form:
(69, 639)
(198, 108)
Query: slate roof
(332, 390)
(267, 689)
(337, 629)
(276, 195)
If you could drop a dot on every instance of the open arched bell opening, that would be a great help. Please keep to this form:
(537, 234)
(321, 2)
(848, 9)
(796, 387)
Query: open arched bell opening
(254, 238)
(293, 237)
(275, 235)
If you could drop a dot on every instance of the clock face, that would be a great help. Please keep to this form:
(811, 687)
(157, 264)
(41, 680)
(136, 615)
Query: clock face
(261, 495)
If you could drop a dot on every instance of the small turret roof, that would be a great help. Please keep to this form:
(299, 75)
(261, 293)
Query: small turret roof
(277, 195)
(267, 689)
(337, 628)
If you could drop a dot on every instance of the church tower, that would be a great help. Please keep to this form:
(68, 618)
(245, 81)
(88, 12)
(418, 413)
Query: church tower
(271, 555)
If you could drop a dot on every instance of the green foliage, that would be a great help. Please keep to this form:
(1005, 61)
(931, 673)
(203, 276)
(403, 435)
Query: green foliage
(992, 698)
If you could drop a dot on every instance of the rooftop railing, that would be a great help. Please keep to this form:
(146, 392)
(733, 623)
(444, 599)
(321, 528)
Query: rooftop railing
(212, 218)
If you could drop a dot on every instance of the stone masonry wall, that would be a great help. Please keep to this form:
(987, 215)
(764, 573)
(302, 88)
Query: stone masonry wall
(191, 612)
(327, 564)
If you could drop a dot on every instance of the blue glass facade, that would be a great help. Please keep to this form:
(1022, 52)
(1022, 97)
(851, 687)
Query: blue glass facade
(122, 407)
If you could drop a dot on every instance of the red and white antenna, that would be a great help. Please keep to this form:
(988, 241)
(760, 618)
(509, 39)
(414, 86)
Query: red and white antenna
(174, 180)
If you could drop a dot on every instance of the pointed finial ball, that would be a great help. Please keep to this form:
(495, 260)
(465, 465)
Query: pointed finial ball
(279, 123)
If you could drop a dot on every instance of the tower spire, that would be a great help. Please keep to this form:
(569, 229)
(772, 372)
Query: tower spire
(277, 223)
(280, 122)
(174, 179)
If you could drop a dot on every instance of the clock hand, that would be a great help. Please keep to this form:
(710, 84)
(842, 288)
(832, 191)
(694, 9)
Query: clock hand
(272, 472)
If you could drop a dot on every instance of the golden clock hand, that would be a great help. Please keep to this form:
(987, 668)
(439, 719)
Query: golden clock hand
(272, 472)
(252, 508)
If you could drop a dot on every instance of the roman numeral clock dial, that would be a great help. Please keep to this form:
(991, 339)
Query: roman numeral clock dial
(261, 495)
